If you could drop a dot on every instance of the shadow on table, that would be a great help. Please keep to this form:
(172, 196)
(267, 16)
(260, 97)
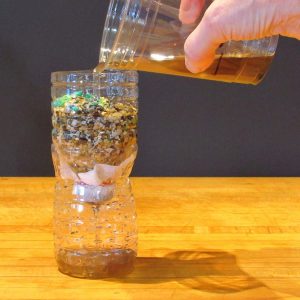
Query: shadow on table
(208, 271)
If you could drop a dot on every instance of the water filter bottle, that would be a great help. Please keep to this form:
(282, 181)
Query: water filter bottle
(94, 117)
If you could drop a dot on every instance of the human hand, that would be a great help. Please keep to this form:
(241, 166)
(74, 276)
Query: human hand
(226, 20)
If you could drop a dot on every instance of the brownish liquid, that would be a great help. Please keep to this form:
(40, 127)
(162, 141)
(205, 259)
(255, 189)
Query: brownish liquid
(95, 264)
(100, 67)
(248, 70)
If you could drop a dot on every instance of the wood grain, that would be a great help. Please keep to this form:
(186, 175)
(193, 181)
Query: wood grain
(199, 238)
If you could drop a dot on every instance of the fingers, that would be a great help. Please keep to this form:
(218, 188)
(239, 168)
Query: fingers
(190, 10)
(201, 46)
(236, 20)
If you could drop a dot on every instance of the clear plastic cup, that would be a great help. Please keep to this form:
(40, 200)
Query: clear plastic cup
(147, 35)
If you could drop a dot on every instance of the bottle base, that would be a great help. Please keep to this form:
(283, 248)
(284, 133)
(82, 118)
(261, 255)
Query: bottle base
(95, 264)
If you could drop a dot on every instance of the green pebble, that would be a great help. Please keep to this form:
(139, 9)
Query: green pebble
(77, 94)
(73, 107)
(60, 102)
(88, 96)
(103, 102)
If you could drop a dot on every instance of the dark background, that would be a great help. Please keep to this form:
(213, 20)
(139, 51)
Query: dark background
(187, 127)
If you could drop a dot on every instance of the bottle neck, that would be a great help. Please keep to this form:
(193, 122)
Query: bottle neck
(126, 31)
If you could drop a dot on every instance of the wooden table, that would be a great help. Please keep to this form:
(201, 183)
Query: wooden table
(201, 238)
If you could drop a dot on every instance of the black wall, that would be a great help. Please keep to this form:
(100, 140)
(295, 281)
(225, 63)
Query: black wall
(187, 127)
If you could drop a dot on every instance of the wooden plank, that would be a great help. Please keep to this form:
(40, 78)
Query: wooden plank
(260, 293)
(199, 238)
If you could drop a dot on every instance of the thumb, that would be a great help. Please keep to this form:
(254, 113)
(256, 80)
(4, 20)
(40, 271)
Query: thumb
(200, 47)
